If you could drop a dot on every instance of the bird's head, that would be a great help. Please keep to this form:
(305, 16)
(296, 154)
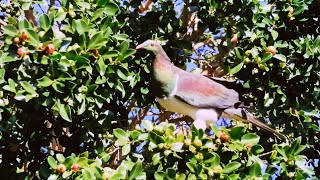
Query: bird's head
(150, 45)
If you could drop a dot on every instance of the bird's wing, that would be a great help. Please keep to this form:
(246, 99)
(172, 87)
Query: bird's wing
(202, 92)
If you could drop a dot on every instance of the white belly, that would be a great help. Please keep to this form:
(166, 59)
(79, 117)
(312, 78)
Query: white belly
(209, 116)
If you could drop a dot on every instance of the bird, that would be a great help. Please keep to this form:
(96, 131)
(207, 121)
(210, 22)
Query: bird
(202, 98)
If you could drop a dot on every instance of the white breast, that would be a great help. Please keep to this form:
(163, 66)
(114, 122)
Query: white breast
(209, 116)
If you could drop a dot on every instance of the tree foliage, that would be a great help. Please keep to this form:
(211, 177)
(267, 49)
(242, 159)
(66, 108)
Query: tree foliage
(69, 77)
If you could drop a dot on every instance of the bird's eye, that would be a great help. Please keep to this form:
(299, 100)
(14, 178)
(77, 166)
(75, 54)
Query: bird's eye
(152, 44)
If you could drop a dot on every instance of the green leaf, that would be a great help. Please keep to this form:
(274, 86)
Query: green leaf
(121, 37)
(2, 73)
(98, 13)
(11, 86)
(125, 149)
(69, 162)
(66, 174)
(296, 147)
(236, 69)
(111, 9)
(155, 138)
(212, 158)
(60, 16)
(250, 139)
(136, 170)
(128, 53)
(298, 10)
(121, 134)
(44, 172)
(229, 168)
(44, 22)
(10, 30)
(171, 173)
(274, 34)
(28, 87)
(84, 5)
(52, 162)
(86, 174)
(96, 41)
(60, 158)
(159, 175)
(267, 56)
(24, 24)
(147, 125)
(257, 149)
(26, 6)
(101, 66)
(58, 86)
(82, 108)
(239, 53)
(82, 161)
(80, 26)
(64, 111)
(33, 37)
(281, 57)
(121, 75)
(255, 170)
(156, 159)
(237, 132)
(44, 81)
(6, 57)
(123, 47)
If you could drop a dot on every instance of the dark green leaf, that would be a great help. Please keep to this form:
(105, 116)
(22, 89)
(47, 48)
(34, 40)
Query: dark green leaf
(155, 138)
(96, 41)
(111, 9)
(136, 170)
(236, 69)
(44, 22)
(44, 81)
(33, 37)
(255, 170)
(267, 56)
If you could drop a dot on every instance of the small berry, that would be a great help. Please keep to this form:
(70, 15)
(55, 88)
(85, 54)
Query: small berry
(75, 167)
(16, 40)
(272, 50)
(50, 48)
(24, 36)
(224, 137)
(22, 51)
(61, 168)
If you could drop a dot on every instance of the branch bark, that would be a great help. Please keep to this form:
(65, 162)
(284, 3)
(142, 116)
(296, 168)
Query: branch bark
(145, 7)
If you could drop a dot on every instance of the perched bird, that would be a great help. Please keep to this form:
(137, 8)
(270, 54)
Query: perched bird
(203, 99)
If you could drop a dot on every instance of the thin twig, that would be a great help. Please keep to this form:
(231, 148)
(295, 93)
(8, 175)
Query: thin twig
(265, 154)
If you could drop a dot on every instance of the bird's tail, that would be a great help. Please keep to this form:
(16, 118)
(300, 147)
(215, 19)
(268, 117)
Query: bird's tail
(244, 116)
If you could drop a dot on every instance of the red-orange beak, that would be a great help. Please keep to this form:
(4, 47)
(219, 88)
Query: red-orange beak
(140, 46)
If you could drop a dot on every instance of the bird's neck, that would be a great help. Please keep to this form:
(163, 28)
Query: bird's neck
(165, 72)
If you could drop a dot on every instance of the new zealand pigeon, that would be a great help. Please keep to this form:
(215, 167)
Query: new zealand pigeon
(203, 99)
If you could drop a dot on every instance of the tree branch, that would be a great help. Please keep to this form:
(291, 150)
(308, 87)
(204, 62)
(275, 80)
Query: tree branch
(145, 7)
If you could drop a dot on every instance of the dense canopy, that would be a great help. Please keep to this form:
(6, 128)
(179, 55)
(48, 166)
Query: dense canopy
(73, 91)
